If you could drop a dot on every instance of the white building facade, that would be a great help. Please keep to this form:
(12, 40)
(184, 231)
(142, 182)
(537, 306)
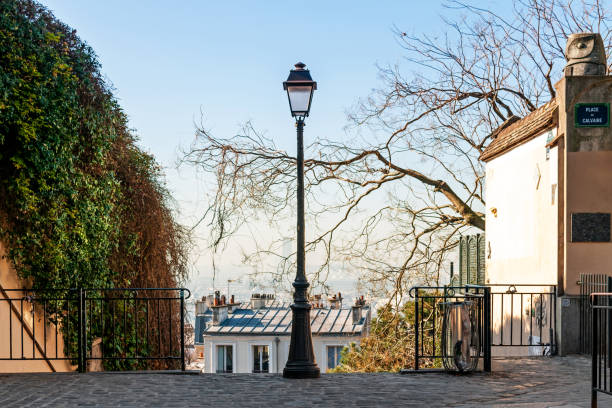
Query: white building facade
(549, 203)
(256, 340)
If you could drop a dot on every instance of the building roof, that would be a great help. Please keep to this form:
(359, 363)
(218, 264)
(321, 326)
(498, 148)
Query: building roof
(275, 320)
(512, 134)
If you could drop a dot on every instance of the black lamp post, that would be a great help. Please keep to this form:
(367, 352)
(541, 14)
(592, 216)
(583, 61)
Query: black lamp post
(301, 362)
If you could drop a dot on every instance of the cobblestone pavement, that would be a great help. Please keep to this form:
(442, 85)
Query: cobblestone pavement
(543, 382)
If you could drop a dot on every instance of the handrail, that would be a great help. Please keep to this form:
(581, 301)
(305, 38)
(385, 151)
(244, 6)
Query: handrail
(520, 284)
(592, 297)
(100, 289)
(412, 290)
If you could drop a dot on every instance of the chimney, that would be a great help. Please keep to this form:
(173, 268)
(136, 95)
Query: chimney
(335, 302)
(259, 300)
(357, 313)
(233, 305)
(220, 313)
(202, 306)
(357, 310)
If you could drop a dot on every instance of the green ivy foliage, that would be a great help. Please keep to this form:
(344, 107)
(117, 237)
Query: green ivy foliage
(81, 205)
(75, 189)
(56, 129)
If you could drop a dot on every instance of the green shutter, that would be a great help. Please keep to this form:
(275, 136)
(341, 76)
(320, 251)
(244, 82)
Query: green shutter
(472, 259)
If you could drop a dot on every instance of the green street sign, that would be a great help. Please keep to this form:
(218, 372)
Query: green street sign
(592, 115)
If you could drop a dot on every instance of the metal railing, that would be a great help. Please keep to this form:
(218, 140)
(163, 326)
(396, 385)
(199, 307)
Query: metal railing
(601, 341)
(508, 316)
(138, 328)
(590, 283)
(428, 315)
(524, 316)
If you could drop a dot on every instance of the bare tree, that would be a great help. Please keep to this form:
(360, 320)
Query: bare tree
(394, 207)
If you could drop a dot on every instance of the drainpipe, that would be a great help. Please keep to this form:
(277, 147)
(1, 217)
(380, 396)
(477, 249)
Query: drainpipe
(277, 342)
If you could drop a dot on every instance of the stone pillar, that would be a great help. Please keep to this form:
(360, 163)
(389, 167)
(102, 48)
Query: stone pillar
(568, 325)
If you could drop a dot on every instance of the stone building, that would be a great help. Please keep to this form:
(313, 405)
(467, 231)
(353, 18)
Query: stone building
(549, 188)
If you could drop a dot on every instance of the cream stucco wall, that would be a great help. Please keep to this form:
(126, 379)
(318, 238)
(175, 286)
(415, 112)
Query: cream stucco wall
(243, 350)
(521, 231)
(521, 215)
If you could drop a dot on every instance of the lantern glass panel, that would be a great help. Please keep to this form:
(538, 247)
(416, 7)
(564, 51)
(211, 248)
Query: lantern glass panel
(299, 98)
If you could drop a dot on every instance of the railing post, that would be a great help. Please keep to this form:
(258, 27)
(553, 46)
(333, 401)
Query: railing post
(487, 329)
(182, 296)
(608, 318)
(81, 325)
(416, 329)
(594, 350)
(553, 324)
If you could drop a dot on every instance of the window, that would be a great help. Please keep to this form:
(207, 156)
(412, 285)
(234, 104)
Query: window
(224, 359)
(333, 356)
(261, 359)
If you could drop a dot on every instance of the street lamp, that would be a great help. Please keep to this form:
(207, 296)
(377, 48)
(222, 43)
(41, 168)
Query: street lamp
(301, 362)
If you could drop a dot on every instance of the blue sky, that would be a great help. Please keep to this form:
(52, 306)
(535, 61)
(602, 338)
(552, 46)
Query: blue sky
(171, 62)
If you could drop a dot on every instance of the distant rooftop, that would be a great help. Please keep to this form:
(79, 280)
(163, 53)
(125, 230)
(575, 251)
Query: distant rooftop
(275, 319)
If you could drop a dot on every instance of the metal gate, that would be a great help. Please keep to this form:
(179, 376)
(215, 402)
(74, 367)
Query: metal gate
(511, 319)
(124, 328)
(428, 313)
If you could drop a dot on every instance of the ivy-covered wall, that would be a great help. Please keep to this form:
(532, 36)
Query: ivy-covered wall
(81, 204)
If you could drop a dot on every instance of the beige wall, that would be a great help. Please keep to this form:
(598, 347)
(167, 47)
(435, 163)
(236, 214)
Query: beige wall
(521, 188)
(589, 189)
(33, 333)
(588, 175)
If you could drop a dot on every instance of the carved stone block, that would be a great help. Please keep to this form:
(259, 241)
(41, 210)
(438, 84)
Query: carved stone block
(585, 54)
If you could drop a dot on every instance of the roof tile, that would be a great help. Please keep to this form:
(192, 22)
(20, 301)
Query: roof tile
(521, 130)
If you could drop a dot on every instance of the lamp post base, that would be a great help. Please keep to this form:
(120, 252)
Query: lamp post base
(304, 370)
(301, 362)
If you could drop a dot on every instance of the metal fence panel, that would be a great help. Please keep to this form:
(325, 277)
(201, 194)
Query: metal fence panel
(525, 316)
(590, 283)
(126, 328)
(601, 342)
(428, 322)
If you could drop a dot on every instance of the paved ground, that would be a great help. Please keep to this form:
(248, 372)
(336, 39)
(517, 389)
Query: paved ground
(556, 382)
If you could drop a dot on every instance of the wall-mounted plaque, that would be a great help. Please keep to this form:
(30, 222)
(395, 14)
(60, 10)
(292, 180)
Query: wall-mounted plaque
(590, 227)
(592, 115)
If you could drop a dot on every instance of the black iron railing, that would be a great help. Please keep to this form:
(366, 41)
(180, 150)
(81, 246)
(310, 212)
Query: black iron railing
(429, 304)
(524, 316)
(601, 341)
(590, 283)
(507, 316)
(124, 329)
